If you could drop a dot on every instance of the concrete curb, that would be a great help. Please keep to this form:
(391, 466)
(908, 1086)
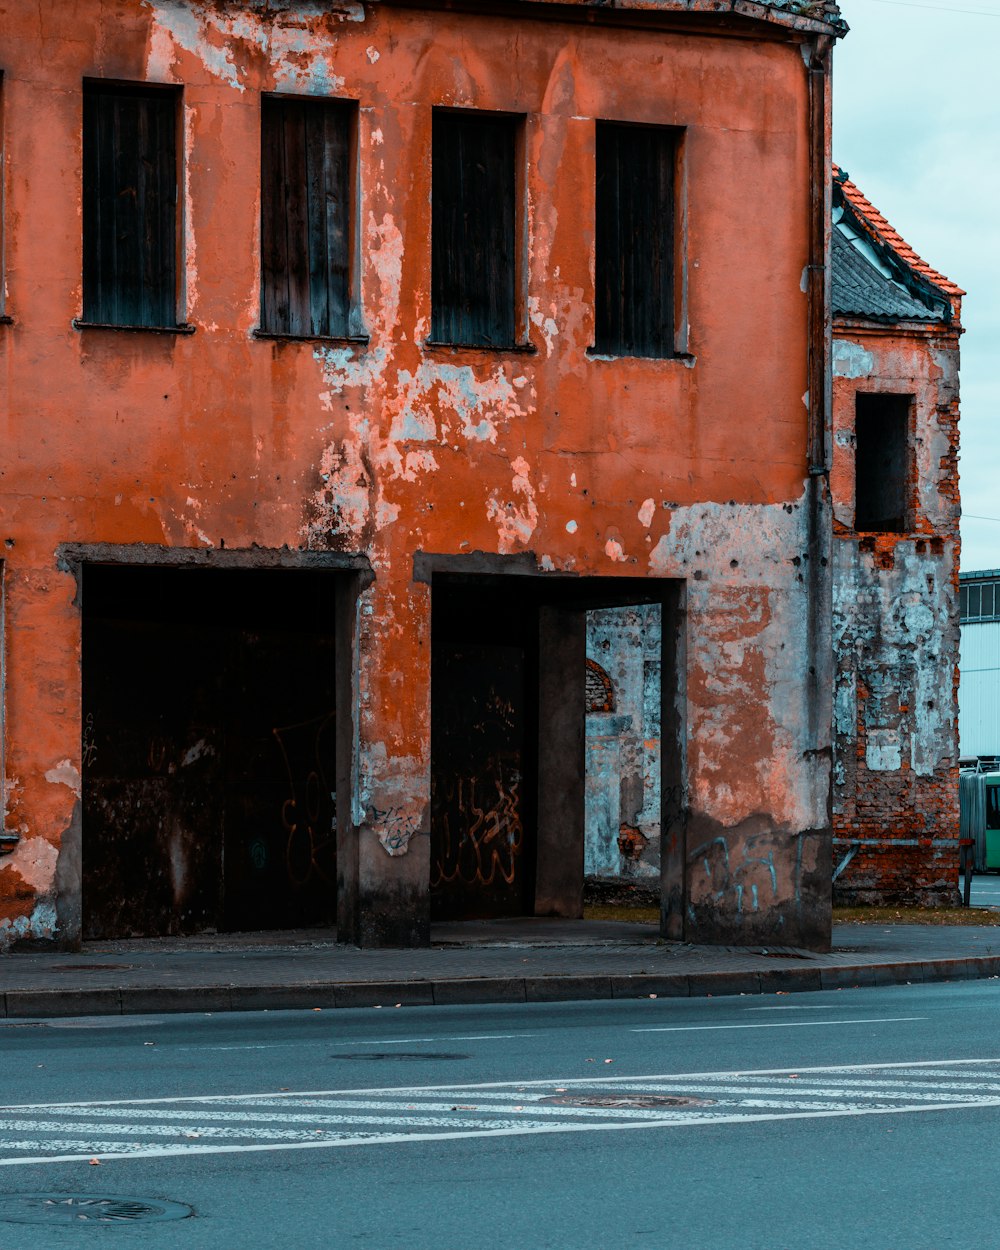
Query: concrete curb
(135, 1000)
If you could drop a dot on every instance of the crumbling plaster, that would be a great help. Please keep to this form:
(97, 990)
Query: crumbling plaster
(688, 468)
(895, 631)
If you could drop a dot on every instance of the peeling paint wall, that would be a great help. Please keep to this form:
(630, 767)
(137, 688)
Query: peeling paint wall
(623, 747)
(896, 632)
(692, 468)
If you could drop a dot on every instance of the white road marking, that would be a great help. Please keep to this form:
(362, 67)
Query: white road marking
(789, 1024)
(380, 1041)
(283, 1096)
(458, 1037)
(376, 1139)
(795, 1007)
(328, 1119)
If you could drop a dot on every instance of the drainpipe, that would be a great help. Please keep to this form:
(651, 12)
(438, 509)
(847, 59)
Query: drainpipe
(818, 502)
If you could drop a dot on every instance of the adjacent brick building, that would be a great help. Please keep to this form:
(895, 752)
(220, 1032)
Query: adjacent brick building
(896, 554)
(353, 354)
(896, 333)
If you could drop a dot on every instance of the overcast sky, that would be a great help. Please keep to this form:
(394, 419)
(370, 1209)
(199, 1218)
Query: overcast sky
(917, 126)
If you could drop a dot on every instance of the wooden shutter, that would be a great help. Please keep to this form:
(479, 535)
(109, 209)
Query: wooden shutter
(473, 239)
(305, 216)
(634, 269)
(129, 205)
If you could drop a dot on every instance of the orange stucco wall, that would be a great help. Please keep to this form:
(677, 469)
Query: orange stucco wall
(691, 468)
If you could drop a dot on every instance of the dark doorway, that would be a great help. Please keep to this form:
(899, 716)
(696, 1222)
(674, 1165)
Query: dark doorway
(209, 750)
(483, 758)
(508, 740)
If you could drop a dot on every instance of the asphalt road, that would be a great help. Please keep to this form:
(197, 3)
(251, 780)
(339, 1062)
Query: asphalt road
(694, 1123)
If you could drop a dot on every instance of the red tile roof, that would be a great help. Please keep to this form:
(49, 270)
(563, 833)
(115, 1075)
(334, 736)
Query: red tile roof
(890, 236)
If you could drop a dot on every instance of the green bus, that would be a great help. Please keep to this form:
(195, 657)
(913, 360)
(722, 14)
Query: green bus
(992, 796)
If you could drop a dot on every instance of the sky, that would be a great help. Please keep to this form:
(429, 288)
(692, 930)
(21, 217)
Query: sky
(916, 123)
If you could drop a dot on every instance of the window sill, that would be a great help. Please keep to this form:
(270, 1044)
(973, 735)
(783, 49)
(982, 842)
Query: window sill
(344, 340)
(502, 349)
(182, 328)
(597, 353)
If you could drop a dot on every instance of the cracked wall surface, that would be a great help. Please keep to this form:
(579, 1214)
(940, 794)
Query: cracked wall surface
(895, 628)
(692, 468)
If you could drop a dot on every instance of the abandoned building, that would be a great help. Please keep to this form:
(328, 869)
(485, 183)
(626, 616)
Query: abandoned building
(896, 328)
(355, 353)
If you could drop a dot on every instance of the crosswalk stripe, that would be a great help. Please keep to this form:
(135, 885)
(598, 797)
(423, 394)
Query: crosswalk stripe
(317, 1119)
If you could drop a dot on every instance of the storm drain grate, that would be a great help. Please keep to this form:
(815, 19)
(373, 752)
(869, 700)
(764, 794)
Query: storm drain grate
(88, 1208)
(629, 1102)
(371, 1056)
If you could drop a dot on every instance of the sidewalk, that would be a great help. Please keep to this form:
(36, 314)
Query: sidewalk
(470, 962)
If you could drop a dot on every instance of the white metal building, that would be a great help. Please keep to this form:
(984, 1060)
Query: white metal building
(979, 664)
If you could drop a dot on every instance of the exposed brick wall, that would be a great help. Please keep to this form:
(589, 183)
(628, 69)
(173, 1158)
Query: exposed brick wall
(896, 633)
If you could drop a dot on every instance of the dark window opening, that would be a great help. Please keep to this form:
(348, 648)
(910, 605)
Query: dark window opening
(882, 462)
(474, 237)
(634, 240)
(129, 205)
(306, 216)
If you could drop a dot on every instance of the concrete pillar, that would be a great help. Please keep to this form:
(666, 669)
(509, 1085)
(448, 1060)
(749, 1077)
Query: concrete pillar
(562, 638)
(383, 841)
(673, 763)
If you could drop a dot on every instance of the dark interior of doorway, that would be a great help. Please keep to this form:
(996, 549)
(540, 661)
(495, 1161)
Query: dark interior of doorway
(508, 713)
(484, 732)
(209, 748)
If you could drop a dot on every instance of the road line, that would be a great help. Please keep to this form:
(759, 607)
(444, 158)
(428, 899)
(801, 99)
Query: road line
(794, 1007)
(789, 1024)
(163, 1152)
(409, 1041)
(282, 1096)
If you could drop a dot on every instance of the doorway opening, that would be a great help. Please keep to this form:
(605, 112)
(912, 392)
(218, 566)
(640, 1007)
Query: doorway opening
(209, 749)
(624, 696)
(518, 778)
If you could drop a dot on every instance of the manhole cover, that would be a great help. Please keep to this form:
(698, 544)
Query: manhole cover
(88, 1208)
(371, 1056)
(630, 1102)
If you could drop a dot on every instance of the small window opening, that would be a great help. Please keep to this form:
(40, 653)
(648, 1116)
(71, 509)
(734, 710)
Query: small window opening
(634, 240)
(882, 462)
(129, 205)
(474, 236)
(306, 226)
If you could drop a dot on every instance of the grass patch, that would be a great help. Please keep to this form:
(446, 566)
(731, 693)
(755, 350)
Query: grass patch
(621, 911)
(916, 915)
(841, 915)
